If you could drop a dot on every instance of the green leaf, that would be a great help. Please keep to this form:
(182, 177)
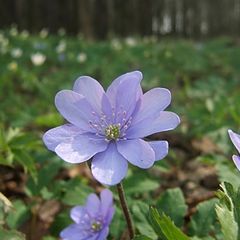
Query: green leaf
(164, 227)
(76, 192)
(144, 184)
(61, 221)
(27, 162)
(172, 203)
(49, 120)
(11, 235)
(18, 215)
(226, 212)
(140, 213)
(44, 177)
(204, 218)
(204, 238)
(142, 237)
(226, 174)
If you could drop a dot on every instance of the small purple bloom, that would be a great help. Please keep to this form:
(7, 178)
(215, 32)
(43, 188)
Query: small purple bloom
(235, 138)
(92, 220)
(109, 126)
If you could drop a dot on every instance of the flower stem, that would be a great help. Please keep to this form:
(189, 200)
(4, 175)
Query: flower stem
(125, 209)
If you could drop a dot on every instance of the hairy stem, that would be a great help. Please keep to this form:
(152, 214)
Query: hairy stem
(125, 209)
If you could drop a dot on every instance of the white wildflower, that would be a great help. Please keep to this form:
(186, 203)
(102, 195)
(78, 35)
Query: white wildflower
(25, 34)
(130, 41)
(16, 52)
(116, 44)
(13, 31)
(81, 57)
(61, 47)
(43, 33)
(38, 59)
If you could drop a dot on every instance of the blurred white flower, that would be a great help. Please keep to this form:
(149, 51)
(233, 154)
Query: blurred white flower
(43, 33)
(13, 31)
(130, 41)
(81, 57)
(116, 44)
(12, 66)
(4, 42)
(61, 47)
(25, 34)
(16, 52)
(38, 59)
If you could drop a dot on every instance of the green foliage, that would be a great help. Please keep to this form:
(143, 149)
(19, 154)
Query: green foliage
(205, 80)
(11, 216)
(118, 225)
(228, 211)
(18, 215)
(144, 183)
(164, 227)
(60, 222)
(16, 147)
(172, 203)
(11, 235)
(140, 213)
(141, 237)
(202, 222)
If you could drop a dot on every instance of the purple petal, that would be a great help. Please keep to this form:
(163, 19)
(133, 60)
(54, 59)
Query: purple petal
(74, 108)
(106, 201)
(236, 160)
(235, 138)
(60, 134)
(93, 205)
(74, 232)
(160, 148)
(94, 236)
(153, 102)
(127, 97)
(164, 122)
(137, 152)
(93, 92)
(103, 234)
(78, 214)
(113, 88)
(109, 216)
(81, 148)
(109, 167)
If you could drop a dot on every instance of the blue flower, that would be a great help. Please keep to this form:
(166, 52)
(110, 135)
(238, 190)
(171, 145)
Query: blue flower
(235, 138)
(110, 126)
(91, 222)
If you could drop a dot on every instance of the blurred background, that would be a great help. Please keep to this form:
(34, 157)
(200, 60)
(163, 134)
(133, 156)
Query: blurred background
(100, 19)
(190, 47)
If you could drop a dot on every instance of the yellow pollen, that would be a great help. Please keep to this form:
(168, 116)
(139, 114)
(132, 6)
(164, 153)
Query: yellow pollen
(112, 132)
(96, 226)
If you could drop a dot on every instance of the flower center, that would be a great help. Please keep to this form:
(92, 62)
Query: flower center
(112, 132)
(96, 226)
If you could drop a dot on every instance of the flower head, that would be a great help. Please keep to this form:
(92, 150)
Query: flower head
(82, 57)
(16, 52)
(109, 126)
(235, 138)
(92, 220)
(38, 59)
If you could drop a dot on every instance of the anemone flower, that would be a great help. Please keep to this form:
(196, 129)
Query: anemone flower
(91, 222)
(109, 127)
